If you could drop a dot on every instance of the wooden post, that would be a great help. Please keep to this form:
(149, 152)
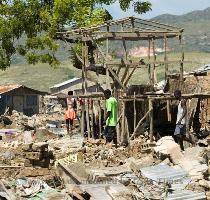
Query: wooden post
(154, 73)
(165, 56)
(151, 119)
(125, 50)
(132, 24)
(127, 134)
(82, 125)
(85, 64)
(91, 116)
(130, 75)
(182, 59)
(107, 54)
(188, 117)
(149, 67)
(100, 130)
(118, 123)
(123, 123)
(139, 123)
(88, 118)
(168, 110)
(134, 111)
(85, 57)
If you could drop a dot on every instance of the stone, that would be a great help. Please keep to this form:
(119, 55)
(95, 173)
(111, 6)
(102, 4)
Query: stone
(205, 184)
(33, 172)
(194, 162)
(167, 147)
(208, 195)
(136, 164)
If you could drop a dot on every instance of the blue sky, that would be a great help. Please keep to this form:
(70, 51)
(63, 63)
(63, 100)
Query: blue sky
(176, 7)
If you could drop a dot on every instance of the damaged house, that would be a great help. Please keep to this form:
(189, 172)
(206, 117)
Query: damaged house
(75, 85)
(19, 98)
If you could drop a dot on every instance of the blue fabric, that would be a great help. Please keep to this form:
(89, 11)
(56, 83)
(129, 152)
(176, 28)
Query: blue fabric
(180, 129)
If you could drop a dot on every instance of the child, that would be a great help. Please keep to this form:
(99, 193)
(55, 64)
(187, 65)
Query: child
(70, 115)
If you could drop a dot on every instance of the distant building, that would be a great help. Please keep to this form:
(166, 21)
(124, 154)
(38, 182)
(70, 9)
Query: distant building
(75, 85)
(19, 98)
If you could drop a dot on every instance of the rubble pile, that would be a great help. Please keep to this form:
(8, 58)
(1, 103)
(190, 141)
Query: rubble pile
(37, 154)
(39, 160)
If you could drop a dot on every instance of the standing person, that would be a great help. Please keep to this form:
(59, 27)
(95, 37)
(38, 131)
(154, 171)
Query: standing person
(180, 130)
(70, 115)
(111, 118)
(71, 101)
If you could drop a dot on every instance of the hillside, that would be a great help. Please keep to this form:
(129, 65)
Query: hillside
(196, 26)
(42, 76)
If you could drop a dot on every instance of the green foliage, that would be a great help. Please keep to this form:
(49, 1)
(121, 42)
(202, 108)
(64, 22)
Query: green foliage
(39, 20)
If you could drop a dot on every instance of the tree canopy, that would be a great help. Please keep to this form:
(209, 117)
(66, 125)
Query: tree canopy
(37, 21)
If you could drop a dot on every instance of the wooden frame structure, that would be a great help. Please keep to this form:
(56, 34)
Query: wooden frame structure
(127, 29)
(121, 71)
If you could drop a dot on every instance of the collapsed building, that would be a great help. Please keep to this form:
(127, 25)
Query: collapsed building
(53, 166)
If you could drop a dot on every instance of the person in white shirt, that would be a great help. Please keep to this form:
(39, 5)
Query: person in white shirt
(180, 130)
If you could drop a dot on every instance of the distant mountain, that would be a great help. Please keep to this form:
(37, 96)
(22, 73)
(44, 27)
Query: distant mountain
(196, 26)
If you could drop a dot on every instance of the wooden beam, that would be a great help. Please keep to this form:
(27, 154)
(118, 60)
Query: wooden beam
(100, 50)
(165, 57)
(125, 72)
(169, 110)
(149, 56)
(91, 116)
(139, 123)
(129, 76)
(133, 64)
(123, 123)
(72, 174)
(134, 111)
(100, 127)
(107, 55)
(133, 36)
(78, 57)
(132, 24)
(125, 49)
(88, 118)
(154, 73)
(151, 120)
(182, 59)
(116, 78)
(118, 70)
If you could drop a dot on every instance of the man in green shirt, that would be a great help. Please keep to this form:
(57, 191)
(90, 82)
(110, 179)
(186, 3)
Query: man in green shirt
(111, 118)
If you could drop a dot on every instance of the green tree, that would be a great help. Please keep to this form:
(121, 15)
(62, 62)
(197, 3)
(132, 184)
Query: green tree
(37, 21)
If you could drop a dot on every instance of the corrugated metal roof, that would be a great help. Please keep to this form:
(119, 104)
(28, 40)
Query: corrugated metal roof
(162, 172)
(65, 82)
(185, 195)
(178, 178)
(7, 88)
